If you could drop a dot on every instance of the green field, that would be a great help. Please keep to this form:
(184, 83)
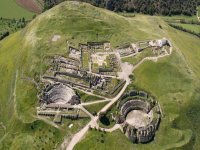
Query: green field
(190, 27)
(9, 9)
(87, 98)
(180, 17)
(95, 107)
(173, 80)
(104, 141)
(117, 141)
(11, 25)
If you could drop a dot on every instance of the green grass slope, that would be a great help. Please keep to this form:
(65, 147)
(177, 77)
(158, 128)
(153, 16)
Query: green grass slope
(9, 9)
(172, 80)
(190, 27)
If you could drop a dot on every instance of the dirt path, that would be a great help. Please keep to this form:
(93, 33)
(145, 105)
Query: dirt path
(93, 123)
(198, 15)
(152, 59)
(14, 93)
(48, 122)
(116, 126)
(78, 136)
(105, 108)
(84, 110)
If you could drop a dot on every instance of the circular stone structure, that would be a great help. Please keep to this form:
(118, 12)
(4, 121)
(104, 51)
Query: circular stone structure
(139, 117)
(58, 93)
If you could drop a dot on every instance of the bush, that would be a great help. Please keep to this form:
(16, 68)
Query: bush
(4, 34)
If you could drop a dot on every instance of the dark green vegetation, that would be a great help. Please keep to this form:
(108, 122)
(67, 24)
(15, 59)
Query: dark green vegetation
(8, 26)
(164, 7)
(174, 80)
(9, 9)
(198, 9)
(106, 119)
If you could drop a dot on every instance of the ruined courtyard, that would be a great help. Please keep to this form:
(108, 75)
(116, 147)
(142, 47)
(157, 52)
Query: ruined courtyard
(95, 68)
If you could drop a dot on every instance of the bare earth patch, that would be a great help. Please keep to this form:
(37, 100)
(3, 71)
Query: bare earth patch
(127, 69)
(139, 118)
(55, 38)
(30, 5)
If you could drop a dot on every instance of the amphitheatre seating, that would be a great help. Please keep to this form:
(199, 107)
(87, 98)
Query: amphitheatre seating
(60, 94)
(133, 93)
(62, 106)
(138, 100)
(143, 94)
(146, 134)
(134, 105)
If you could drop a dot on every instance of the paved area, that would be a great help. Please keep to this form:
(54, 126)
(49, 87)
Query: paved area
(55, 38)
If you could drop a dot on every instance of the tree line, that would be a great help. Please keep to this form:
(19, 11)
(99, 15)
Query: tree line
(3, 35)
(10, 26)
(151, 7)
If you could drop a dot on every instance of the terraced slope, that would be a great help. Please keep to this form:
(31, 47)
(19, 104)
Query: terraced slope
(173, 80)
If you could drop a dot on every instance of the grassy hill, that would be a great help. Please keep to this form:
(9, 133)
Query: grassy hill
(173, 80)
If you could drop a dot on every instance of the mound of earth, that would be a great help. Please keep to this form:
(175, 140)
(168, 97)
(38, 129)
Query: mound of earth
(24, 56)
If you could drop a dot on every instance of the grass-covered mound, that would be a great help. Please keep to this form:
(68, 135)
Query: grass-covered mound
(23, 60)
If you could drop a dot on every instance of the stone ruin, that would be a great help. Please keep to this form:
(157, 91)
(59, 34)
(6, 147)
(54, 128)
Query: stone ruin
(140, 116)
(134, 48)
(57, 101)
(59, 93)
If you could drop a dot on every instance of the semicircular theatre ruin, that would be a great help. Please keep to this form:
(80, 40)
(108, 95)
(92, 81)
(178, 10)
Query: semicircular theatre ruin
(140, 116)
(57, 100)
(59, 93)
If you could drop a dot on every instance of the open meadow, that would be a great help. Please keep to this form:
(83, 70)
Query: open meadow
(191, 27)
(10, 9)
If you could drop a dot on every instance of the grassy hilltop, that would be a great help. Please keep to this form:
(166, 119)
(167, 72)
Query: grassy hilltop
(173, 80)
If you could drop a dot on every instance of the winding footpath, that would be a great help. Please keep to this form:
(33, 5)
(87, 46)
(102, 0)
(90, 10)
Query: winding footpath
(95, 102)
